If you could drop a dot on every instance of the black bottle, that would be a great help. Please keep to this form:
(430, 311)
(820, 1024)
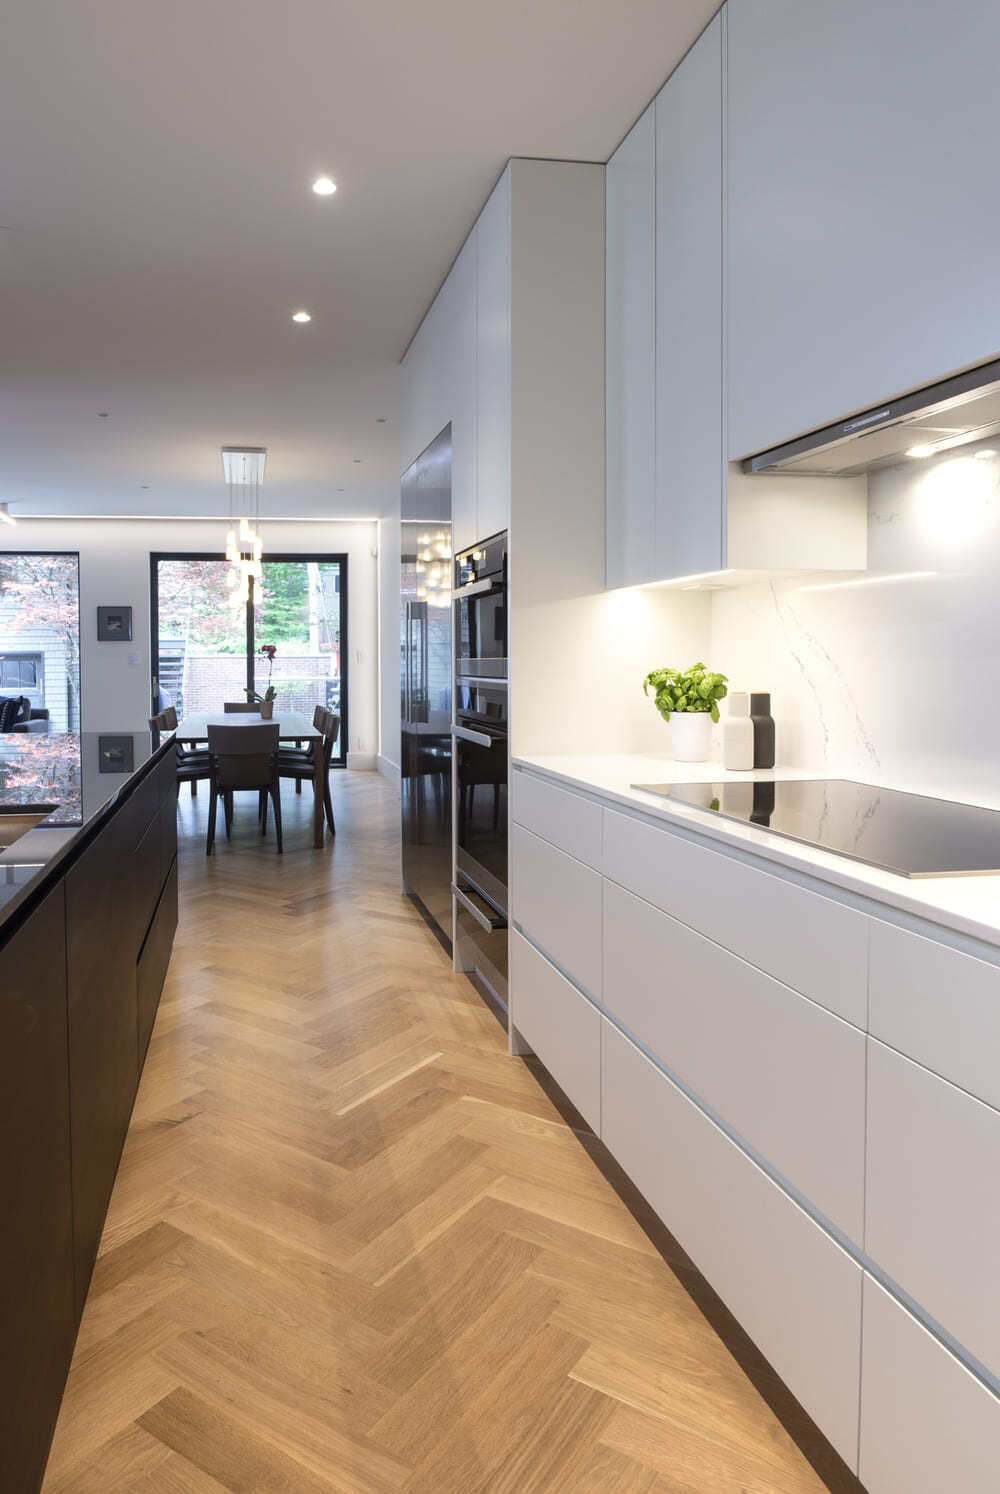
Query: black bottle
(763, 730)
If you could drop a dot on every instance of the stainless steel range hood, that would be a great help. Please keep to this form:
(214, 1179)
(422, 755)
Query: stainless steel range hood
(951, 413)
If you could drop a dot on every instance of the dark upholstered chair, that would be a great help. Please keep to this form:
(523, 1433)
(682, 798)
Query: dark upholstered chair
(243, 758)
(238, 707)
(300, 764)
(193, 764)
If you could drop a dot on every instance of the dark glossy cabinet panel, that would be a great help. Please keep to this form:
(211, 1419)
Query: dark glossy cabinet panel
(103, 1034)
(155, 958)
(38, 1320)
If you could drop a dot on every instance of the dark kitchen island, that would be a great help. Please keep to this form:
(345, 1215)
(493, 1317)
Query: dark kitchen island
(87, 920)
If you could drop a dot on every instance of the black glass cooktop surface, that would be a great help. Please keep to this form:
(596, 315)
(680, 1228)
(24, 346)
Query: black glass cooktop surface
(909, 834)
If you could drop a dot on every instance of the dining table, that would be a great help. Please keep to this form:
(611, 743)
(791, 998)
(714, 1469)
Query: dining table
(293, 726)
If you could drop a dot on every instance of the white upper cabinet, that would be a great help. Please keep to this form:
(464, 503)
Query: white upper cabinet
(492, 379)
(674, 506)
(630, 354)
(457, 369)
(862, 217)
(689, 484)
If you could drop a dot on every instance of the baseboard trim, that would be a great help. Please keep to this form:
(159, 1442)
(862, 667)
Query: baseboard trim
(361, 762)
(387, 768)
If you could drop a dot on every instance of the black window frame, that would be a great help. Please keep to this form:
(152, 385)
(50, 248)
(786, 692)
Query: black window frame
(339, 760)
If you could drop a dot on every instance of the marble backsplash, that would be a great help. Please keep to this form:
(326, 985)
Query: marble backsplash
(893, 677)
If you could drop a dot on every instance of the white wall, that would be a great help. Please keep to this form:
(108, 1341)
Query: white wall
(891, 681)
(389, 722)
(114, 569)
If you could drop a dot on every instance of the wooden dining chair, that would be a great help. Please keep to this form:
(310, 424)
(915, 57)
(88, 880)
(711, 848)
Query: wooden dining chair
(244, 707)
(301, 766)
(300, 753)
(193, 764)
(243, 758)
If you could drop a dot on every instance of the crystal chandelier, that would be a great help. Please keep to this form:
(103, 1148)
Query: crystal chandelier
(243, 468)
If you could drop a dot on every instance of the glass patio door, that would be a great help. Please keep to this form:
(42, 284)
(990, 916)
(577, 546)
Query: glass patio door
(206, 651)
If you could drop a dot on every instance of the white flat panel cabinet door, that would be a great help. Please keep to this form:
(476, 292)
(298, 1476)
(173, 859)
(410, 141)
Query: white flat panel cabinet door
(568, 820)
(932, 1218)
(564, 1030)
(557, 900)
(689, 442)
(492, 378)
(861, 235)
(458, 296)
(778, 1070)
(927, 1425)
(938, 1006)
(796, 1293)
(630, 258)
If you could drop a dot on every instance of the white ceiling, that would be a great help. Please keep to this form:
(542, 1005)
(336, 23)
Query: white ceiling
(157, 227)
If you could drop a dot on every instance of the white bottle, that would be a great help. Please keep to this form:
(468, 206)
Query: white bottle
(737, 733)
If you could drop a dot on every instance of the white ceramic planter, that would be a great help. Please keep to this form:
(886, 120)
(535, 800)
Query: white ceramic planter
(690, 735)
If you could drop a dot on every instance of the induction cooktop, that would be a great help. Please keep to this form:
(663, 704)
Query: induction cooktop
(909, 834)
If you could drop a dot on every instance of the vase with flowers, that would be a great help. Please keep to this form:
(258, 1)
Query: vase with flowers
(266, 701)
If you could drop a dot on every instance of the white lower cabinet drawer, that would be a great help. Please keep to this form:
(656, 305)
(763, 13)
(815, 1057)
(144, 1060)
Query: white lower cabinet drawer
(927, 1425)
(794, 1290)
(938, 1006)
(786, 1075)
(562, 1027)
(568, 820)
(557, 901)
(808, 941)
(932, 1220)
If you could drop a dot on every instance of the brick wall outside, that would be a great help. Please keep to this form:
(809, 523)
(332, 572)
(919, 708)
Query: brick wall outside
(301, 681)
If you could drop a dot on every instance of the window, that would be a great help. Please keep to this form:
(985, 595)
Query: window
(22, 674)
(40, 659)
(206, 652)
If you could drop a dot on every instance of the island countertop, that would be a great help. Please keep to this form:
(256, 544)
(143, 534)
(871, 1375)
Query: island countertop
(28, 867)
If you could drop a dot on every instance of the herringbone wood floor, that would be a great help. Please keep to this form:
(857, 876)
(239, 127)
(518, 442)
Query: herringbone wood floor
(354, 1246)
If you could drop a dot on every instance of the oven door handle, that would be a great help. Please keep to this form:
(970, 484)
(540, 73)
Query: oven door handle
(491, 925)
(481, 738)
(476, 588)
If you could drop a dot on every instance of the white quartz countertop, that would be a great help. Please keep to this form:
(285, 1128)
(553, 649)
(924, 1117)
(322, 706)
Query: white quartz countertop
(967, 905)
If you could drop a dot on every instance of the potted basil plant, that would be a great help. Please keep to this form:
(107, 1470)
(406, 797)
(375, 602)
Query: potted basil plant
(689, 702)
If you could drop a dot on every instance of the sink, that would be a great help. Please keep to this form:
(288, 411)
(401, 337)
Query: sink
(17, 819)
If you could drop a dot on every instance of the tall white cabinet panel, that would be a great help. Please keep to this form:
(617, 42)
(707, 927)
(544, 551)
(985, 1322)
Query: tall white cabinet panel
(630, 354)
(927, 1425)
(492, 374)
(690, 494)
(861, 230)
(781, 1072)
(933, 1203)
(796, 1293)
(458, 296)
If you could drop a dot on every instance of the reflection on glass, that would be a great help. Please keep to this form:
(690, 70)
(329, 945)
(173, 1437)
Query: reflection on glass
(40, 669)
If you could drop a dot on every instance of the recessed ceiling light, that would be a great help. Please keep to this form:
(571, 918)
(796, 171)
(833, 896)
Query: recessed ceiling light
(984, 456)
(301, 316)
(358, 460)
(381, 419)
(102, 414)
(922, 450)
(324, 186)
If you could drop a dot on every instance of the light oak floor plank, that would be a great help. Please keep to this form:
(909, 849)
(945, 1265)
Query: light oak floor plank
(355, 1248)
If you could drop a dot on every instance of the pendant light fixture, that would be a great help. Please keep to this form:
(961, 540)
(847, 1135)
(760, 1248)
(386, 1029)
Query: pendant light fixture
(243, 469)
